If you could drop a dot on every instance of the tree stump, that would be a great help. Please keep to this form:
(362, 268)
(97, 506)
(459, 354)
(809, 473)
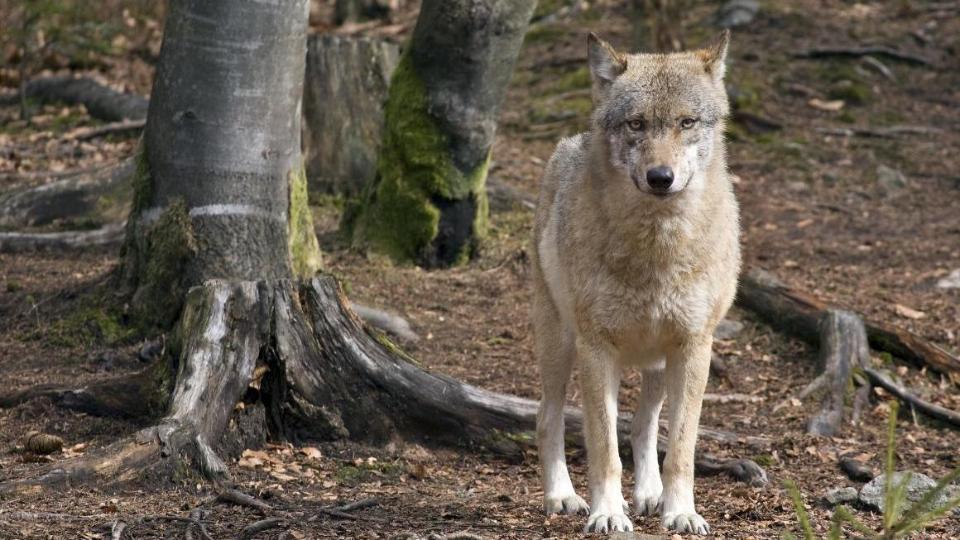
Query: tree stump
(340, 143)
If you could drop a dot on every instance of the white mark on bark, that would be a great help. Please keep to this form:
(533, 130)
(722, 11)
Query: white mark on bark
(151, 215)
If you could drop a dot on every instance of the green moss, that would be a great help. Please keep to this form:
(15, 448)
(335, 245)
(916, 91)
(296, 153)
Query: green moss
(90, 325)
(141, 181)
(546, 7)
(853, 92)
(763, 460)
(166, 248)
(361, 471)
(397, 217)
(305, 259)
(574, 80)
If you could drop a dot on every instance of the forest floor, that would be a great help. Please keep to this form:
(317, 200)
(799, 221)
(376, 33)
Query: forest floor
(820, 211)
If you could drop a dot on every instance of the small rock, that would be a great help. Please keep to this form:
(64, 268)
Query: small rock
(871, 495)
(798, 186)
(728, 329)
(840, 495)
(890, 179)
(150, 351)
(952, 281)
(735, 13)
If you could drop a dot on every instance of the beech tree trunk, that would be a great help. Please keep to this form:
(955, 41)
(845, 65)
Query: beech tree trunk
(220, 191)
(427, 203)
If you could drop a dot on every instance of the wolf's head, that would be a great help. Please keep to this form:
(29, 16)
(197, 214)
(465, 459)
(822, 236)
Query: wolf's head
(660, 115)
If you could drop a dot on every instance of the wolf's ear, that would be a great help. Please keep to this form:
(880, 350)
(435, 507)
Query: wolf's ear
(606, 64)
(714, 56)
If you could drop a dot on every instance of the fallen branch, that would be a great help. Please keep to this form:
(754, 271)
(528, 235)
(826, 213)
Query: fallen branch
(242, 499)
(881, 132)
(799, 314)
(881, 379)
(109, 236)
(100, 101)
(856, 52)
(732, 398)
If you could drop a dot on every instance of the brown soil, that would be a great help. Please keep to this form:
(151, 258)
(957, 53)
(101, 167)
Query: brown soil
(813, 213)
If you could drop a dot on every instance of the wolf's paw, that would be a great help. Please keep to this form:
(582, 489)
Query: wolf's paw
(686, 523)
(603, 523)
(565, 504)
(648, 505)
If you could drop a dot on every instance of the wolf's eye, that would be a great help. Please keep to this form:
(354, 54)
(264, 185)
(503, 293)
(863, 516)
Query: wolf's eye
(636, 124)
(687, 123)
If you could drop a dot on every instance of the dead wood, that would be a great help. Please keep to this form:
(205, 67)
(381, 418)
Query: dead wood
(880, 132)
(98, 195)
(100, 101)
(20, 242)
(327, 378)
(843, 348)
(123, 126)
(116, 531)
(856, 52)
(799, 314)
(856, 470)
(883, 380)
(240, 498)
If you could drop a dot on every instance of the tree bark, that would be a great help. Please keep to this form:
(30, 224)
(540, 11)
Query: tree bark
(219, 191)
(344, 92)
(427, 203)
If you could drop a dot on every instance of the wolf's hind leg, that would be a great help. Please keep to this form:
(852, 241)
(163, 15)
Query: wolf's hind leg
(555, 354)
(646, 470)
(686, 379)
(600, 379)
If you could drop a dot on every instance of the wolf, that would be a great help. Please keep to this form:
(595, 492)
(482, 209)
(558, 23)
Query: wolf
(635, 262)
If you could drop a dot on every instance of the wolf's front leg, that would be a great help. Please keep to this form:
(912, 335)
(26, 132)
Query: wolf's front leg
(646, 423)
(686, 378)
(600, 379)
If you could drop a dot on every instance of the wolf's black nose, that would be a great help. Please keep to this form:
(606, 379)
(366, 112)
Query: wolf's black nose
(660, 178)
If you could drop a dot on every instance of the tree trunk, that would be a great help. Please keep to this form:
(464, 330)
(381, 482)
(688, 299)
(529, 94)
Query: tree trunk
(360, 10)
(427, 203)
(343, 96)
(220, 186)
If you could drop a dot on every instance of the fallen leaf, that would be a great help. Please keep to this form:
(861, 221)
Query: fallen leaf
(311, 452)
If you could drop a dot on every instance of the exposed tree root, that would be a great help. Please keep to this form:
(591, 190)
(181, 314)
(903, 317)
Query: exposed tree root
(17, 242)
(827, 52)
(101, 102)
(799, 314)
(78, 196)
(843, 349)
(301, 352)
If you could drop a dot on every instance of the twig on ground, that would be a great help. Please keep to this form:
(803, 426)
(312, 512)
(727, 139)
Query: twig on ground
(879, 66)
(363, 503)
(234, 496)
(123, 126)
(880, 132)
(881, 379)
(825, 52)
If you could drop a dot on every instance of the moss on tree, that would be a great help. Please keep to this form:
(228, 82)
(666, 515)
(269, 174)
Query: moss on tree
(399, 215)
(305, 257)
